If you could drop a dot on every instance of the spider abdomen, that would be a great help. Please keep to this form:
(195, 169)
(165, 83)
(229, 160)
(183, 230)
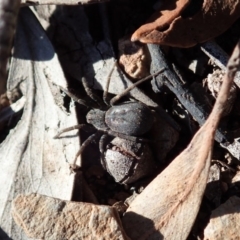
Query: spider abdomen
(131, 118)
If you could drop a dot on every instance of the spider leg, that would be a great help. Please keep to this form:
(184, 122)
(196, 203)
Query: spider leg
(127, 90)
(74, 97)
(91, 138)
(105, 94)
(102, 146)
(85, 127)
(91, 93)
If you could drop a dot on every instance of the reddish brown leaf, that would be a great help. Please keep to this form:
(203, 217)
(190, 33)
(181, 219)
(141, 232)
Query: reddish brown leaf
(169, 27)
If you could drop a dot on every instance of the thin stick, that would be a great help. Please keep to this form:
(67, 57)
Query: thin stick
(224, 165)
(127, 90)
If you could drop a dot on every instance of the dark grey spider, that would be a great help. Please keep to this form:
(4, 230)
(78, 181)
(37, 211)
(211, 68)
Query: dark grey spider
(130, 120)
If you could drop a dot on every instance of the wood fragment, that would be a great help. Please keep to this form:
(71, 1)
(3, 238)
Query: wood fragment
(181, 185)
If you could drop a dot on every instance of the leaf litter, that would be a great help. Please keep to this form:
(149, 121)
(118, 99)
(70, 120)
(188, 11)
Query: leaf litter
(173, 198)
(180, 192)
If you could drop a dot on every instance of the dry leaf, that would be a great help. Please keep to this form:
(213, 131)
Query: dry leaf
(43, 217)
(172, 28)
(168, 206)
(33, 161)
(225, 221)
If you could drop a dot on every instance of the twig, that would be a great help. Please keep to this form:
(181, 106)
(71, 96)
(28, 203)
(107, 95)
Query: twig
(182, 92)
(60, 2)
(224, 165)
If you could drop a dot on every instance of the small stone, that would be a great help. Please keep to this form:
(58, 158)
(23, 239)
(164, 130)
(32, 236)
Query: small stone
(225, 221)
(44, 217)
(134, 58)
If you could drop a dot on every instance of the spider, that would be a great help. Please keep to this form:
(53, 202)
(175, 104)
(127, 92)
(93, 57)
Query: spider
(129, 120)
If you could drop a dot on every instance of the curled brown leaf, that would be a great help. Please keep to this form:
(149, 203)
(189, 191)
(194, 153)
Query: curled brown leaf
(175, 27)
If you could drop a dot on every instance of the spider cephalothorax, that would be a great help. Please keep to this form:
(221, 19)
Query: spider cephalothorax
(129, 118)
